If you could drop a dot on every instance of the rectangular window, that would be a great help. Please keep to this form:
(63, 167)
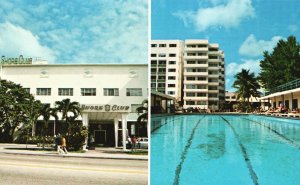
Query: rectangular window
(212, 95)
(43, 91)
(201, 102)
(162, 45)
(153, 85)
(172, 62)
(171, 70)
(171, 92)
(111, 91)
(134, 107)
(171, 78)
(190, 103)
(162, 62)
(134, 92)
(161, 85)
(153, 45)
(172, 55)
(201, 94)
(153, 70)
(88, 91)
(172, 45)
(171, 85)
(161, 70)
(65, 91)
(153, 55)
(189, 94)
(162, 55)
(153, 62)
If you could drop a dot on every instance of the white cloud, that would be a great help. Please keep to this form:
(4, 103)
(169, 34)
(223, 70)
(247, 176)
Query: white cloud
(252, 47)
(224, 15)
(15, 41)
(233, 67)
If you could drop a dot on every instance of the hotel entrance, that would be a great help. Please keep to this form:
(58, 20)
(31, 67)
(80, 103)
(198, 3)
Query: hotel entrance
(102, 133)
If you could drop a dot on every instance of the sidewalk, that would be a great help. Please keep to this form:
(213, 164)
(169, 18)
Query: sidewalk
(98, 153)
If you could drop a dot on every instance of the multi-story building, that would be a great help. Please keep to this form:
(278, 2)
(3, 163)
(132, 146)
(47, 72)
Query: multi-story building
(203, 73)
(200, 81)
(108, 94)
(166, 67)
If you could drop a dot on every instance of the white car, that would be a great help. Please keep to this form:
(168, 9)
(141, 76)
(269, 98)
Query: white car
(142, 142)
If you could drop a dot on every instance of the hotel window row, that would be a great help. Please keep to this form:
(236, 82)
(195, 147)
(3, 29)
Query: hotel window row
(88, 91)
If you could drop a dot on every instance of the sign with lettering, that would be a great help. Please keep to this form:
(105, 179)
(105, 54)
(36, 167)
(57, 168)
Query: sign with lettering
(105, 108)
(19, 60)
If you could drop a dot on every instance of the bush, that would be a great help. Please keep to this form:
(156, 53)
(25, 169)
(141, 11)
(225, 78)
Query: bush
(78, 134)
(34, 139)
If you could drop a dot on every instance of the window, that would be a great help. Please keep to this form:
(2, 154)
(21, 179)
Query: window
(194, 70)
(153, 55)
(134, 92)
(134, 107)
(65, 91)
(212, 95)
(212, 87)
(162, 62)
(190, 78)
(213, 65)
(171, 78)
(213, 72)
(162, 45)
(201, 94)
(190, 103)
(172, 45)
(161, 70)
(172, 62)
(88, 91)
(153, 77)
(201, 102)
(162, 55)
(213, 80)
(171, 85)
(161, 77)
(153, 62)
(111, 92)
(188, 94)
(202, 78)
(153, 85)
(161, 85)
(171, 92)
(43, 91)
(153, 45)
(153, 70)
(172, 70)
(190, 86)
(172, 55)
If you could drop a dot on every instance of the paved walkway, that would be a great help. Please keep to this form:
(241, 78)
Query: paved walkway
(102, 153)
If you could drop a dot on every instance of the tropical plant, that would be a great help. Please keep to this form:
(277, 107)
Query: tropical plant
(282, 65)
(46, 113)
(15, 102)
(246, 85)
(70, 111)
(142, 113)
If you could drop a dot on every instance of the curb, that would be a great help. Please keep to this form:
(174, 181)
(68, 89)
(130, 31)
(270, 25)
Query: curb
(68, 156)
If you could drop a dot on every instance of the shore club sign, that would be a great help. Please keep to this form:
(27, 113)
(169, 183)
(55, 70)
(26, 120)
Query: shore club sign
(105, 108)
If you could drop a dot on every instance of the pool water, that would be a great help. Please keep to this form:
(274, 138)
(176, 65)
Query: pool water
(225, 150)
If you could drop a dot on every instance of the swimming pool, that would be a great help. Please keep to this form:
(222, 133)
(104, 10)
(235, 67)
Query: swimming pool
(225, 150)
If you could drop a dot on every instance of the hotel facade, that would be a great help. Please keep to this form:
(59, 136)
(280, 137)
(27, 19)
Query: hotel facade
(200, 72)
(108, 94)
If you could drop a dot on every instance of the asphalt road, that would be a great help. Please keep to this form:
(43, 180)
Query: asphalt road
(40, 170)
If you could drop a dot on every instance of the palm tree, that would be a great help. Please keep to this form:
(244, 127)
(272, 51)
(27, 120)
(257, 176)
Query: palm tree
(142, 113)
(246, 85)
(66, 107)
(47, 112)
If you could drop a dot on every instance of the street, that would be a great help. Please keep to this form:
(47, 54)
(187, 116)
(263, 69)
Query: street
(39, 170)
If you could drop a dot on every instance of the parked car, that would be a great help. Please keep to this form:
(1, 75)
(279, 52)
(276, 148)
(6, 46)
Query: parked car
(142, 142)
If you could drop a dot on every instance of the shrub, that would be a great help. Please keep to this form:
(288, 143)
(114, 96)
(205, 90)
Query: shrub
(78, 134)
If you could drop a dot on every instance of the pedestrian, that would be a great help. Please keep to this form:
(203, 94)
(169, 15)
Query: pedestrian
(58, 143)
(64, 145)
(133, 141)
(139, 142)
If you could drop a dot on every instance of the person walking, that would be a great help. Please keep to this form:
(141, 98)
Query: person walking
(58, 143)
(64, 145)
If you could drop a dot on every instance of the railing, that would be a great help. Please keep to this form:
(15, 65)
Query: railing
(284, 87)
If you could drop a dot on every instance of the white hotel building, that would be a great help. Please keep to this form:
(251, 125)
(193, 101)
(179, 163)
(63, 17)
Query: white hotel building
(192, 70)
(108, 93)
(166, 67)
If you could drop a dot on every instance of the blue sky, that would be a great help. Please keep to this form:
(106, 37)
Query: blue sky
(93, 31)
(243, 28)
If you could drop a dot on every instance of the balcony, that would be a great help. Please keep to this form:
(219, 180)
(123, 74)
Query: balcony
(194, 98)
(195, 90)
(195, 65)
(196, 57)
(284, 87)
(195, 73)
(195, 82)
(204, 49)
(214, 60)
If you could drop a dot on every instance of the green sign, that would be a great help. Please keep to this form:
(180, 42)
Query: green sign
(19, 60)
